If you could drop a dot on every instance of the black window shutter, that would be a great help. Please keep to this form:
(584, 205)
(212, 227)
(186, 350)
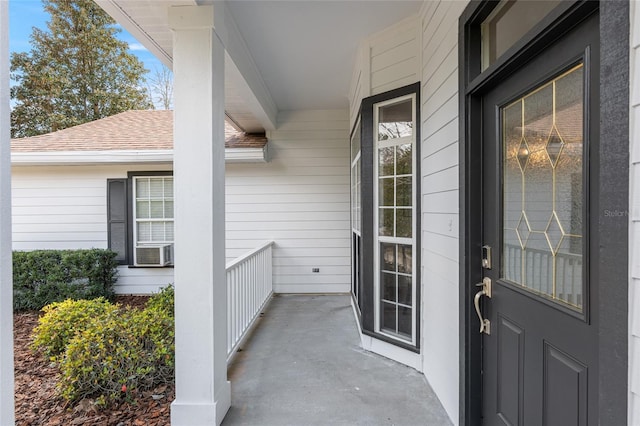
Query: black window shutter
(117, 226)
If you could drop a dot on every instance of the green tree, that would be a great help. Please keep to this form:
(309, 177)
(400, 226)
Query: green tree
(76, 72)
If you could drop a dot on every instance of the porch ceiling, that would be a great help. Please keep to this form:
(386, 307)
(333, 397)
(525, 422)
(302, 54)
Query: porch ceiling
(290, 55)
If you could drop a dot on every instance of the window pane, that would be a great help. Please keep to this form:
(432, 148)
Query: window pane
(395, 120)
(388, 286)
(386, 192)
(168, 187)
(404, 159)
(142, 188)
(403, 191)
(404, 321)
(168, 227)
(404, 290)
(405, 258)
(388, 316)
(157, 209)
(142, 209)
(510, 21)
(404, 223)
(156, 188)
(355, 142)
(388, 257)
(385, 161)
(144, 231)
(386, 222)
(168, 209)
(157, 231)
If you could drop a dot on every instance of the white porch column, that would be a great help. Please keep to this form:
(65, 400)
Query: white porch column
(203, 394)
(6, 277)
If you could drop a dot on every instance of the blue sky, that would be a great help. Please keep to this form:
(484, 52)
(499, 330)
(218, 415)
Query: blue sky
(26, 14)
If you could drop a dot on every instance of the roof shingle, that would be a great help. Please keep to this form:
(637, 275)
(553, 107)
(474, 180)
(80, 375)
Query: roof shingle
(134, 130)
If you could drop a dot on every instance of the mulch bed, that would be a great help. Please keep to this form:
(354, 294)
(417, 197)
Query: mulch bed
(38, 403)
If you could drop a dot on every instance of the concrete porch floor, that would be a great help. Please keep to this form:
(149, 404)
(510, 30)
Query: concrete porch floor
(303, 365)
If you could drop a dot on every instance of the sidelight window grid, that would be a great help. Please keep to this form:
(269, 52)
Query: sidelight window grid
(356, 215)
(395, 224)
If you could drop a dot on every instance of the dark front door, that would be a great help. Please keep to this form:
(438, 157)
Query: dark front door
(539, 136)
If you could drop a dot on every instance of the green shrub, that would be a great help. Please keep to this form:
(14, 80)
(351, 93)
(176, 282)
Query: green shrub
(63, 320)
(163, 300)
(121, 352)
(42, 277)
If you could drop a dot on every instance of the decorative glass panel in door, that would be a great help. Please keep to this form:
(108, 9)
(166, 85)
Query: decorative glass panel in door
(542, 139)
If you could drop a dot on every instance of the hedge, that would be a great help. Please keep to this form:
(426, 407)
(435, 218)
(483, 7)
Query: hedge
(42, 277)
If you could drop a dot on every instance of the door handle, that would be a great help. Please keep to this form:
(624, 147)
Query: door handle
(485, 324)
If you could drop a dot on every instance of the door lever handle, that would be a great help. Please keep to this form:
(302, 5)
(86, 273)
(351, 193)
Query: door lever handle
(485, 324)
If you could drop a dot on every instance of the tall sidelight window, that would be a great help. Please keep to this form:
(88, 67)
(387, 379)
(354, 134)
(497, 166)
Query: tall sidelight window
(356, 216)
(386, 216)
(394, 217)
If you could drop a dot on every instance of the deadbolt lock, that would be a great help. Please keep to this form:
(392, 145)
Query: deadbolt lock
(486, 257)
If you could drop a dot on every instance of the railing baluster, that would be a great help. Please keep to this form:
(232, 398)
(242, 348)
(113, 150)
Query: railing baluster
(249, 287)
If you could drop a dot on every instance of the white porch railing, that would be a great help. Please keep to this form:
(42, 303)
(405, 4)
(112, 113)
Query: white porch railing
(249, 288)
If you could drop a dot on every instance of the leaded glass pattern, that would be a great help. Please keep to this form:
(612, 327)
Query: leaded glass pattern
(542, 139)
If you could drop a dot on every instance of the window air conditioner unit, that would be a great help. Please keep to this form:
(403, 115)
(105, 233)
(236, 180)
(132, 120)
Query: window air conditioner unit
(154, 255)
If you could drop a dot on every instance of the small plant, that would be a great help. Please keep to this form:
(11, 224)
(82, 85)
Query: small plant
(63, 320)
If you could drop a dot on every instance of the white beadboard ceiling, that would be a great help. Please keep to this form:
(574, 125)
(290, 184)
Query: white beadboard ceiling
(304, 50)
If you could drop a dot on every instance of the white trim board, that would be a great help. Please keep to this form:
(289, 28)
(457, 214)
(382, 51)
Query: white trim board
(231, 155)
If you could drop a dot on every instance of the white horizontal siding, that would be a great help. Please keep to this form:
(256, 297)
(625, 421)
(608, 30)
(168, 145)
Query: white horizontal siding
(634, 221)
(143, 280)
(440, 199)
(300, 200)
(358, 87)
(395, 56)
(65, 207)
(386, 60)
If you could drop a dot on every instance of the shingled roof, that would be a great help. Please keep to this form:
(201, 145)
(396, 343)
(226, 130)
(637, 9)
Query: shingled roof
(130, 130)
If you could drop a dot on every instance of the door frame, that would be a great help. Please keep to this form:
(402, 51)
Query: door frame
(609, 232)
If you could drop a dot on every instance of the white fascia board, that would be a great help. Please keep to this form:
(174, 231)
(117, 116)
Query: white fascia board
(231, 155)
(246, 155)
(91, 157)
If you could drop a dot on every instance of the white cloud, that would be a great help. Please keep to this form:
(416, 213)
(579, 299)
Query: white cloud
(136, 47)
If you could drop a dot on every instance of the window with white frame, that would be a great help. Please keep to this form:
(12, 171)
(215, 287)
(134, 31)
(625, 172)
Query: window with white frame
(395, 217)
(356, 217)
(152, 216)
(385, 216)
(140, 218)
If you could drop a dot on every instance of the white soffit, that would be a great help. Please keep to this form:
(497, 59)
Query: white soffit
(306, 50)
(282, 55)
